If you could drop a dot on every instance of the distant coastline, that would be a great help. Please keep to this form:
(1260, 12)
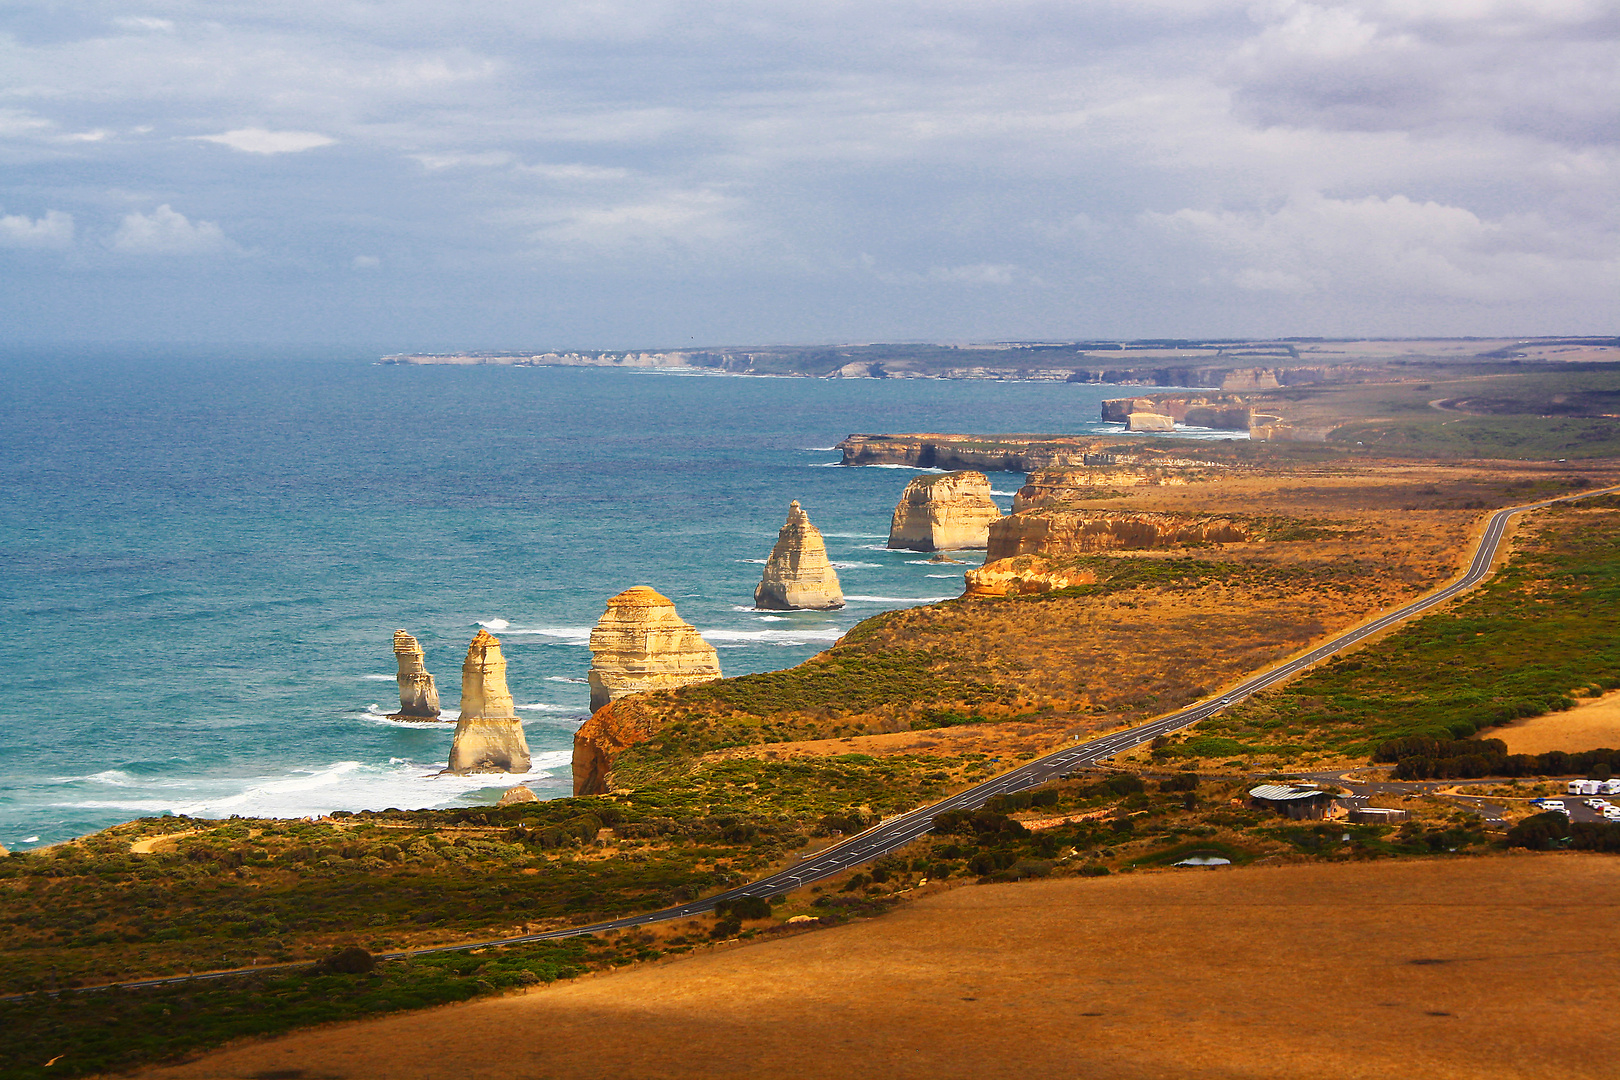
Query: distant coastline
(1216, 364)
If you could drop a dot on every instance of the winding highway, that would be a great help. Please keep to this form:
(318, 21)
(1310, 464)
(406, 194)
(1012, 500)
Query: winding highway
(897, 832)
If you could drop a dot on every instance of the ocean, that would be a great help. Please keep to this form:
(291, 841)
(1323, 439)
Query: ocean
(203, 559)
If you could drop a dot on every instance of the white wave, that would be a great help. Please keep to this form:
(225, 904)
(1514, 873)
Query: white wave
(858, 536)
(570, 678)
(773, 618)
(1009, 494)
(342, 785)
(569, 635)
(911, 468)
(945, 575)
(734, 639)
(381, 678)
(541, 706)
(30, 839)
(817, 449)
(848, 566)
(899, 599)
(494, 624)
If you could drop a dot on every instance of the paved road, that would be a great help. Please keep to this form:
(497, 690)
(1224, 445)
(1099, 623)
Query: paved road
(896, 833)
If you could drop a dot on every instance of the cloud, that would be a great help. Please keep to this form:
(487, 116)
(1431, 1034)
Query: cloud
(1392, 246)
(54, 230)
(365, 262)
(167, 232)
(261, 141)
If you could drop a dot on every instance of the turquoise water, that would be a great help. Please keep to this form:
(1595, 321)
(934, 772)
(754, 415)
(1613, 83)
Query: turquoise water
(202, 561)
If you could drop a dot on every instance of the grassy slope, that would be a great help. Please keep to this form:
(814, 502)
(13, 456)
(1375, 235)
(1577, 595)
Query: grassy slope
(1546, 627)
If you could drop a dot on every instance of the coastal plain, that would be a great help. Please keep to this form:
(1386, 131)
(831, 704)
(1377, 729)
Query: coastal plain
(1447, 969)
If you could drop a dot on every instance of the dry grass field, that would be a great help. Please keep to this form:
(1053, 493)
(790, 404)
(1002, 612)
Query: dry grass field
(1593, 725)
(1496, 968)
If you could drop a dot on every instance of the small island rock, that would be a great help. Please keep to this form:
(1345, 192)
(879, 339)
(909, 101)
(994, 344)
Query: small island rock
(418, 697)
(949, 512)
(798, 575)
(489, 735)
(520, 794)
(641, 644)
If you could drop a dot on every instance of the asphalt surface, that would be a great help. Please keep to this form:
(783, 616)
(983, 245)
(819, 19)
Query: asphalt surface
(897, 832)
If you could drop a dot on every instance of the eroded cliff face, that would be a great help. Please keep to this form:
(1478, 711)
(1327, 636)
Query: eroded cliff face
(987, 453)
(610, 731)
(798, 573)
(489, 735)
(1045, 487)
(1223, 413)
(418, 697)
(952, 512)
(1071, 531)
(1024, 575)
(641, 644)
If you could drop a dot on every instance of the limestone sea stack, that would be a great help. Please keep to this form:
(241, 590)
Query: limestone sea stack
(798, 575)
(640, 644)
(418, 697)
(489, 735)
(944, 513)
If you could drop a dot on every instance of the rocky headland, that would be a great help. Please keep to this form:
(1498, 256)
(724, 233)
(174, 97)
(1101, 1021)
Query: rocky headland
(798, 574)
(610, 731)
(986, 453)
(489, 735)
(1054, 530)
(944, 513)
(418, 697)
(1025, 575)
(641, 644)
(1046, 487)
(1149, 413)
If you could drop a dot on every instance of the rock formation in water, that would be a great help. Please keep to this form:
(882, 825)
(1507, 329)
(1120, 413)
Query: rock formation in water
(418, 697)
(1046, 487)
(798, 575)
(489, 735)
(1219, 411)
(986, 453)
(1149, 421)
(944, 513)
(1024, 575)
(520, 794)
(1069, 531)
(640, 644)
(610, 731)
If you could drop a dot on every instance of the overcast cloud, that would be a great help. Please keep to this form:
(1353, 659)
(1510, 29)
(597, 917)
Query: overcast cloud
(614, 174)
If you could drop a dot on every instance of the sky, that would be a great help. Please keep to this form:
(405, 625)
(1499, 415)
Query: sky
(610, 174)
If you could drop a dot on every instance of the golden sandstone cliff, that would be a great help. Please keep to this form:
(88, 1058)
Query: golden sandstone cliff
(1057, 530)
(798, 575)
(944, 513)
(1047, 486)
(610, 731)
(418, 697)
(489, 735)
(641, 644)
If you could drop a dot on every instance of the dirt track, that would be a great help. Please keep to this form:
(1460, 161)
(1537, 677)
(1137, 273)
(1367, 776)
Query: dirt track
(1496, 967)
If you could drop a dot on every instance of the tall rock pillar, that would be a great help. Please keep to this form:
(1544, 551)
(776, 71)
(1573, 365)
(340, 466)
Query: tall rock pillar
(489, 735)
(948, 512)
(798, 575)
(640, 644)
(418, 697)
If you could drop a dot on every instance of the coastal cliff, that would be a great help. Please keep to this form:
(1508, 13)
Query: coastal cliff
(641, 644)
(1069, 531)
(985, 453)
(1220, 413)
(489, 735)
(1024, 575)
(798, 573)
(610, 731)
(949, 512)
(418, 696)
(1045, 487)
